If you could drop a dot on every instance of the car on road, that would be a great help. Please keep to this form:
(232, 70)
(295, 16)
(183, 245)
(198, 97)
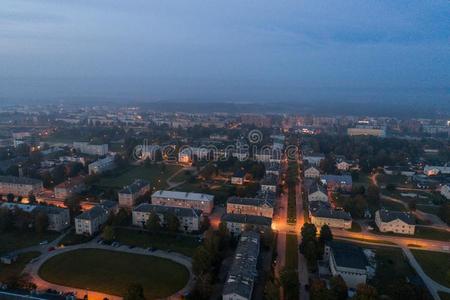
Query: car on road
(43, 243)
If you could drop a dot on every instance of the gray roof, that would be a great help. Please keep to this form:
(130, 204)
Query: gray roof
(317, 187)
(243, 271)
(250, 201)
(324, 210)
(348, 255)
(135, 187)
(92, 214)
(183, 196)
(247, 219)
(337, 179)
(19, 180)
(269, 180)
(161, 209)
(390, 215)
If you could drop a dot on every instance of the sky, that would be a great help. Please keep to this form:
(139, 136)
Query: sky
(230, 50)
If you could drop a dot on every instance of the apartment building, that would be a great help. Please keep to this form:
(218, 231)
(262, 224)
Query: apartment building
(91, 149)
(395, 221)
(102, 165)
(20, 186)
(69, 187)
(317, 193)
(321, 214)
(129, 194)
(203, 202)
(91, 221)
(237, 223)
(250, 206)
(312, 172)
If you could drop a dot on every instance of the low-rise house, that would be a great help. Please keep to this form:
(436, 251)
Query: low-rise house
(317, 193)
(243, 272)
(102, 165)
(8, 259)
(250, 206)
(312, 172)
(20, 186)
(203, 202)
(269, 183)
(395, 221)
(91, 221)
(348, 261)
(71, 186)
(238, 177)
(237, 223)
(322, 214)
(344, 165)
(130, 193)
(337, 182)
(314, 159)
(445, 191)
(189, 218)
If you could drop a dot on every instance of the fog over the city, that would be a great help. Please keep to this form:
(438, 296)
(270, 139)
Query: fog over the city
(233, 50)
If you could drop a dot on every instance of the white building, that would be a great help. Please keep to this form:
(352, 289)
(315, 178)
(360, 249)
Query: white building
(445, 191)
(129, 194)
(348, 261)
(317, 193)
(312, 172)
(189, 218)
(395, 221)
(378, 131)
(238, 223)
(20, 186)
(203, 202)
(321, 214)
(91, 149)
(269, 183)
(69, 187)
(102, 165)
(91, 221)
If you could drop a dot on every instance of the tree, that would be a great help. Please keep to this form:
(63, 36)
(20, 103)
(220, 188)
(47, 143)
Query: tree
(201, 260)
(203, 286)
(373, 194)
(325, 234)
(6, 220)
(32, 199)
(108, 233)
(289, 281)
(339, 288)
(153, 223)
(41, 222)
(365, 292)
(172, 222)
(134, 291)
(308, 233)
(412, 205)
(318, 290)
(205, 224)
(10, 197)
(271, 290)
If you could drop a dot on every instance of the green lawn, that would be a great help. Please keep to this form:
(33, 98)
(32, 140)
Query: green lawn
(291, 251)
(157, 175)
(13, 270)
(98, 270)
(178, 243)
(435, 264)
(14, 240)
(74, 239)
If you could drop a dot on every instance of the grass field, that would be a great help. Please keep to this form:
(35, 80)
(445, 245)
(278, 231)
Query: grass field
(291, 262)
(157, 175)
(98, 270)
(435, 264)
(14, 240)
(13, 270)
(178, 243)
(74, 239)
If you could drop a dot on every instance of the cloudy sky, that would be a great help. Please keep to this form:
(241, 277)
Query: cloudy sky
(242, 50)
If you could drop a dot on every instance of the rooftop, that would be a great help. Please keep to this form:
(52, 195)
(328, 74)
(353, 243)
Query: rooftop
(247, 219)
(135, 187)
(183, 196)
(161, 209)
(390, 215)
(348, 255)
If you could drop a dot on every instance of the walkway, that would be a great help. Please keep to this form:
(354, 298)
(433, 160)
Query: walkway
(33, 267)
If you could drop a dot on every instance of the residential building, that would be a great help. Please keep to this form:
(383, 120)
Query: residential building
(238, 177)
(317, 193)
(269, 183)
(237, 223)
(378, 131)
(312, 172)
(69, 187)
(321, 214)
(102, 165)
(20, 186)
(250, 206)
(91, 149)
(337, 182)
(436, 170)
(445, 191)
(129, 194)
(189, 218)
(314, 159)
(243, 272)
(395, 221)
(187, 155)
(203, 202)
(348, 261)
(91, 221)
(272, 169)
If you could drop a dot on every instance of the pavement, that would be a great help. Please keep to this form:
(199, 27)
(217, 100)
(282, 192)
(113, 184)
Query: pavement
(33, 267)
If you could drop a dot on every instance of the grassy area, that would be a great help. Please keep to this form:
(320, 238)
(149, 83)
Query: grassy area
(74, 239)
(444, 296)
(97, 270)
(435, 264)
(14, 240)
(292, 174)
(13, 270)
(157, 174)
(178, 243)
(422, 233)
(368, 240)
(291, 263)
(355, 227)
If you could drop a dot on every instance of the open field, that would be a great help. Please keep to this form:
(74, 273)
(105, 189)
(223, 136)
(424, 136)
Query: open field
(97, 270)
(435, 264)
(178, 243)
(14, 240)
(156, 174)
(13, 270)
